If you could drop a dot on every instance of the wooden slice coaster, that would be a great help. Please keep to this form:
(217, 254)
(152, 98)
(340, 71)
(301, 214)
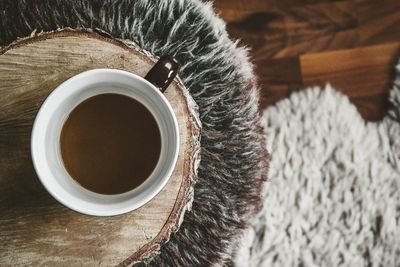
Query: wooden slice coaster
(34, 228)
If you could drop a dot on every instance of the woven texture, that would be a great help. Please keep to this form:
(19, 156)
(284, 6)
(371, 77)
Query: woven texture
(219, 77)
(334, 194)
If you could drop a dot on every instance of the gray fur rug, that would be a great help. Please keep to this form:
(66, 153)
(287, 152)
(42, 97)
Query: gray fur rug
(333, 198)
(219, 77)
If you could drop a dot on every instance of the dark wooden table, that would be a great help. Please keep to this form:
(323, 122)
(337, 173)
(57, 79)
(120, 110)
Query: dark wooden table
(298, 43)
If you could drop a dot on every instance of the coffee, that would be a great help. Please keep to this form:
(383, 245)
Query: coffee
(110, 143)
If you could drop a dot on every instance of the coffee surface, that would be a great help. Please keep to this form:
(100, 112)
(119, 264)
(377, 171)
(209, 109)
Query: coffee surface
(110, 143)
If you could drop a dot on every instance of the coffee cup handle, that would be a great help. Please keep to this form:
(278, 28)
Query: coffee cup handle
(163, 72)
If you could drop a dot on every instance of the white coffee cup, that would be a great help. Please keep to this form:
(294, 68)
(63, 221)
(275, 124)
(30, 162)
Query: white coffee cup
(45, 138)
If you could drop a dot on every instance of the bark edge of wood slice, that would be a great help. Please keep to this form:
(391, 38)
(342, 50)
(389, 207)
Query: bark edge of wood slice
(35, 228)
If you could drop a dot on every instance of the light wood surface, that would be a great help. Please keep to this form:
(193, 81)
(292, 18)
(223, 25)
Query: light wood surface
(34, 228)
(353, 44)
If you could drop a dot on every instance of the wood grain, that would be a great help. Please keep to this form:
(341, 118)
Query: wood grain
(34, 228)
(282, 35)
(361, 73)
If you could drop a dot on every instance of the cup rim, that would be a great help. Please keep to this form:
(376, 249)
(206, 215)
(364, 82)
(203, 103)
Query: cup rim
(86, 210)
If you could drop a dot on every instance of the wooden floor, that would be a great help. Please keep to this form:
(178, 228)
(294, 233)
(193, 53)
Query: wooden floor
(298, 43)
